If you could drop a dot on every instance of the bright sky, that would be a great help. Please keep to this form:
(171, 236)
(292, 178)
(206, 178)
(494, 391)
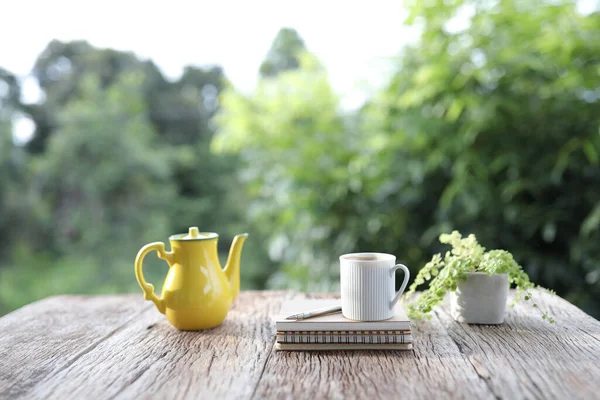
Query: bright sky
(353, 38)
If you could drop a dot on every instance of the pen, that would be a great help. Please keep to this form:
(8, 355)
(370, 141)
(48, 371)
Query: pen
(314, 313)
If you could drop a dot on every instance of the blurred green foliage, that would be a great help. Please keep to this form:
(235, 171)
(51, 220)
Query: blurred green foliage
(491, 128)
(120, 158)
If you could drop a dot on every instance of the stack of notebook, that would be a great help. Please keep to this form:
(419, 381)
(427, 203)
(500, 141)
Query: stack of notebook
(334, 332)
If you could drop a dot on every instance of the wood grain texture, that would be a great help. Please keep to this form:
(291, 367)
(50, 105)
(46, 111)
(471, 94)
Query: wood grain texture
(150, 358)
(41, 339)
(434, 369)
(73, 347)
(527, 357)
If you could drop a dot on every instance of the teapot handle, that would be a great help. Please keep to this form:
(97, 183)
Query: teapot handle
(148, 288)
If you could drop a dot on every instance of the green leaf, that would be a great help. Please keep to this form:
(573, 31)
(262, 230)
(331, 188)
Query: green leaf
(563, 158)
(590, 152)
(591, 222)
(454, 110)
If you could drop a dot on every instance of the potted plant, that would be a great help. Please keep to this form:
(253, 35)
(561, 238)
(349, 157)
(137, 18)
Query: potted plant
(478, 281)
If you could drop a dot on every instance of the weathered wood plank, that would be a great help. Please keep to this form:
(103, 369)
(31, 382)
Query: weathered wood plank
(150, 358)
(120, 346)
(41, 339)
(528, 358)
(434, 369)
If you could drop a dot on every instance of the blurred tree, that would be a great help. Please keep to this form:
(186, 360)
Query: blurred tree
(490, 128)
(284, 53)
(120, 157)
(13, 166)
(60, 69)
(180, 112)
(111, 182)
(490, 124)
(295, 152)
(99, 195)
(269, 223)
(493, 127)
(10, 92)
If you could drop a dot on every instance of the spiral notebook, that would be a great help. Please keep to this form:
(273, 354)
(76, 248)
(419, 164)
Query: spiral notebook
(334, 332)
(345, 337)
(332, 346)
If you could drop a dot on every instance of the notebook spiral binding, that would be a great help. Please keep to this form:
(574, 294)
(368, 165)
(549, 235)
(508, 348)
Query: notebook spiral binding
(349, 337)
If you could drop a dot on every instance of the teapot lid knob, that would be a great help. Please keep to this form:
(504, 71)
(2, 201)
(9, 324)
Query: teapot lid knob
(193, 232)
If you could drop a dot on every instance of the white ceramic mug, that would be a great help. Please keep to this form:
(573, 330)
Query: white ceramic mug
(367, 282)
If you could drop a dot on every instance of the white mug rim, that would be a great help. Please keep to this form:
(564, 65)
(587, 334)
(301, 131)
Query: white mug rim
(380, 257)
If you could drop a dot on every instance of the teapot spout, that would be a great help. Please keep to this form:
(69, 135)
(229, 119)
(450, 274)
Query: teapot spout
(232, 268)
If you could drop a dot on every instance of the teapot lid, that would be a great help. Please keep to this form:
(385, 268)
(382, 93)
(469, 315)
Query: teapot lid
(194, 234)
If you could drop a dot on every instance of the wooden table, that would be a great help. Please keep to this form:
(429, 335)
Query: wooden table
(102, 347)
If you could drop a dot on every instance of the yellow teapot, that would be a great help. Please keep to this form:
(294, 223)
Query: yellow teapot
(197, 292)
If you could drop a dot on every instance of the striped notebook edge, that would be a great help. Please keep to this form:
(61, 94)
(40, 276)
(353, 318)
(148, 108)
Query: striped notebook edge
(348, 332)
(343, 337)
(335, 346)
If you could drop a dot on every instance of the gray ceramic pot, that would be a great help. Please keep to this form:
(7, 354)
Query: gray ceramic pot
(481, 299)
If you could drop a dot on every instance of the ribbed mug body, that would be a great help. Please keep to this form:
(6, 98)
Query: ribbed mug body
(367, 287)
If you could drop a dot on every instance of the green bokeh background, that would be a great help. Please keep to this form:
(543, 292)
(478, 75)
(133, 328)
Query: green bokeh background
(493, 130)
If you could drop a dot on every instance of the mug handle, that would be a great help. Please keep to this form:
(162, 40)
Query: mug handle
(401, 290)
(148, 288)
